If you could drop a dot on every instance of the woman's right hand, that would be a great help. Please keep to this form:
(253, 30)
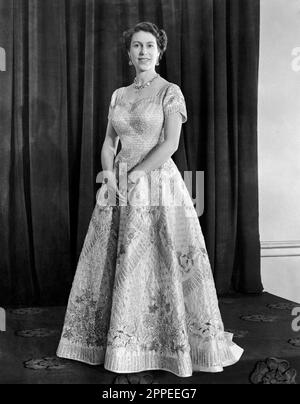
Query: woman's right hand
(112, 187)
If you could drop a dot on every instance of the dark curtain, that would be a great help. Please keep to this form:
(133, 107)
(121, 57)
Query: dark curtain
(64, 58)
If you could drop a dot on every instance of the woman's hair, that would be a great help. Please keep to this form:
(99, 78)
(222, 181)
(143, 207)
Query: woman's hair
(160, 35)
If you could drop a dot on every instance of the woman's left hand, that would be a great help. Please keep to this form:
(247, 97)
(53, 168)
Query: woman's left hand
(132, 179)
(134, 176)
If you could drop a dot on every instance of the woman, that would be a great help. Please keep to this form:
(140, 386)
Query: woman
(143, 296)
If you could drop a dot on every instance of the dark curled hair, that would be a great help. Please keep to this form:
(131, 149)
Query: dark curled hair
(159, 34)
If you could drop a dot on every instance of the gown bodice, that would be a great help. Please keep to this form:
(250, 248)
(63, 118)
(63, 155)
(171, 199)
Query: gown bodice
(140, 124)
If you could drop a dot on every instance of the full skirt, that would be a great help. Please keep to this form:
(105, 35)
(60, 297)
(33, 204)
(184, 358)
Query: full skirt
(143, 296)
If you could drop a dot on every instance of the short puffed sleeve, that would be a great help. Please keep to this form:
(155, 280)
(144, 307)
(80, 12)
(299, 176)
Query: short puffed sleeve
(174, 102)
(112, 103)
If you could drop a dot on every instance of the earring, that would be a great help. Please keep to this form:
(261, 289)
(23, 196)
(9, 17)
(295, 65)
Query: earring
(157, 64)
(130, 62)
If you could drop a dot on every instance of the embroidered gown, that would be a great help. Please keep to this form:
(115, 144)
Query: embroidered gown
(143, 296)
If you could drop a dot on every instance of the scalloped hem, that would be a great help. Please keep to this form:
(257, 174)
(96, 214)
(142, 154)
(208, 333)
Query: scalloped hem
(182, 365)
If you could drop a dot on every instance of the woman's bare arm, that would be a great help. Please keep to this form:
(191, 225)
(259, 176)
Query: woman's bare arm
(109, 148)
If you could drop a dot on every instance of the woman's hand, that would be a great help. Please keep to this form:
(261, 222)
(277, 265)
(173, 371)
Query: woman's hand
(134, 176)
(111, 182)
(127, 184)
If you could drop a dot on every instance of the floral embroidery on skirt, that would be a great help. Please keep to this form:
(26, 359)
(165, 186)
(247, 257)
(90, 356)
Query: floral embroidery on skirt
(143, 296)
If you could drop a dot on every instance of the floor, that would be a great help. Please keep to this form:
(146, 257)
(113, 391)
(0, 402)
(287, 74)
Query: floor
(262, 325)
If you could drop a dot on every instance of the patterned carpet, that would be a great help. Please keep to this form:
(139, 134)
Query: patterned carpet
(262, 325)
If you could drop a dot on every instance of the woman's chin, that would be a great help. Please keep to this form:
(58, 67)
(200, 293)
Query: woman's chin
(144, 68)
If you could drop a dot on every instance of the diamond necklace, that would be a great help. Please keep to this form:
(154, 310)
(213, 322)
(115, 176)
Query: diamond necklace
(138, 87)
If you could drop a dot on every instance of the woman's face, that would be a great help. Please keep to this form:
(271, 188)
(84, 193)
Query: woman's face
(144, 51)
